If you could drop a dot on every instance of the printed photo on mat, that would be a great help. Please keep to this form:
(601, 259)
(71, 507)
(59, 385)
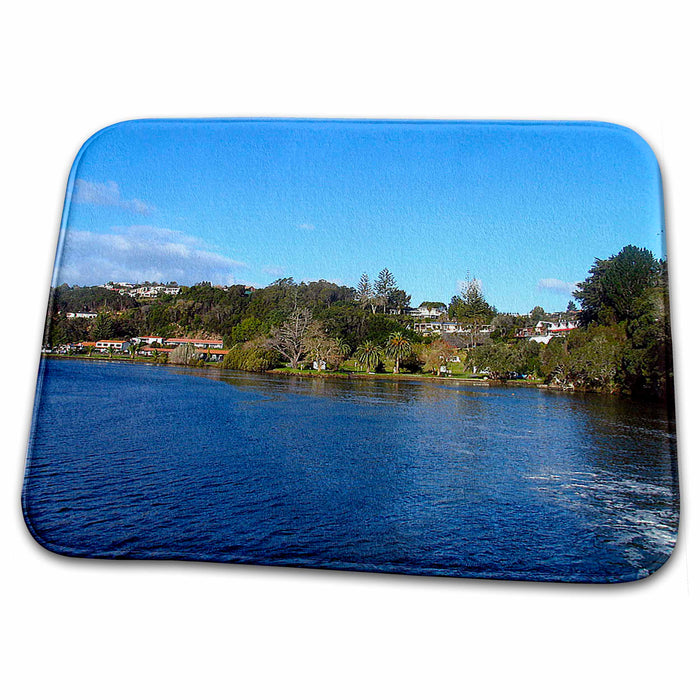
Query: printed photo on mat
(437, 348)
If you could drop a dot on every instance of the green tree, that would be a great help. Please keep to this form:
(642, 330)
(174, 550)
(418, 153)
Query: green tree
(251, 356)
(611, 291)
(103, 328)
(368, 355)
(647, 360)
(58, 332)
(383, 287)
(184, 354)
(247, 329)
(398, 347)
(496, 359)
(555, 362)
(436, 355)
(471, 308)
(596, 357)
(364, 292)
(399, 300)
(343, 347)
(537, 314)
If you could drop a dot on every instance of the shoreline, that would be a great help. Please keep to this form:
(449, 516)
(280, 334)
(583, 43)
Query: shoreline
(362, 376)
(305, 374)
(383, 376)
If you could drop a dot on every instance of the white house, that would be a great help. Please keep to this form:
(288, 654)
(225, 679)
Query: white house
(81, 314)
(424, 311)
(449, 326)
(197, 342)
(154, 290)
(431, 327)
(148, 339)
(119, 345)
(544, 331)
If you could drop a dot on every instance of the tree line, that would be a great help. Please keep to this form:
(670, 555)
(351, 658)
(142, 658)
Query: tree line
(621, 345)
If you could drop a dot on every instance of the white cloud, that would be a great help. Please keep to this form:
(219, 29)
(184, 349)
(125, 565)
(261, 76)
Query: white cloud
(107, 194)
(137, 253)
(557, 286)
(306, 227)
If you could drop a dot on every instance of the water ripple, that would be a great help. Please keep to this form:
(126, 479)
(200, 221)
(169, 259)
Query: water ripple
(133, 461)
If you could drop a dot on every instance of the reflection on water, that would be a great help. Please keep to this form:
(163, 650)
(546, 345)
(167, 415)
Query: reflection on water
(370, 474)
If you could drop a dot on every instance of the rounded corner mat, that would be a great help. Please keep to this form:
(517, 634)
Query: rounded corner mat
(437, 348)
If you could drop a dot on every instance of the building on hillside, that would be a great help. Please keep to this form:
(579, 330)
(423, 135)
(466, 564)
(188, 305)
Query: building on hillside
(437, 327)
(119, 345)
(148, 339)
(449, 326)
(81, 314)
(424, 311)
(544, 331)
(153, 291)
(197, 342)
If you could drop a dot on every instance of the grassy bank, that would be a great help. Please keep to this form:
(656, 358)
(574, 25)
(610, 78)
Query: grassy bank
(402, 376)
(325, 374)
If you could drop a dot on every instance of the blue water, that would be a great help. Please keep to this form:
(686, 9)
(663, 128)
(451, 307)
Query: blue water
(142, 461)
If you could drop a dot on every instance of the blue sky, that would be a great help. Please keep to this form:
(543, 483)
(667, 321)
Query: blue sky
(525, 209)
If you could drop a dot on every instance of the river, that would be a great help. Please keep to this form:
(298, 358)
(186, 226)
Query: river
(143, 461)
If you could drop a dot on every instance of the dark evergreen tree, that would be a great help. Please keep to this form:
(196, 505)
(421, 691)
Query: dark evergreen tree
(383, 287)
(613, 287)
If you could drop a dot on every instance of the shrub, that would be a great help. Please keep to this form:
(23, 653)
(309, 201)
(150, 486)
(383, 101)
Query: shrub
(251, 356)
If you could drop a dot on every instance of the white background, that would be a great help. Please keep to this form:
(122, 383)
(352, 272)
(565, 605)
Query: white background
(82, 629)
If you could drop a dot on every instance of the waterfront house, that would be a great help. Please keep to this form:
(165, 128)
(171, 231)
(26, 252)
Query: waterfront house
(212, 355)
(197, 342)
(155, 351)
(148, 339)
(118, 345)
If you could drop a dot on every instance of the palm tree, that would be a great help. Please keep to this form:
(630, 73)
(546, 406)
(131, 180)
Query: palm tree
(368, 355)
(399, 347)
(343, 347)
(134, 348)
